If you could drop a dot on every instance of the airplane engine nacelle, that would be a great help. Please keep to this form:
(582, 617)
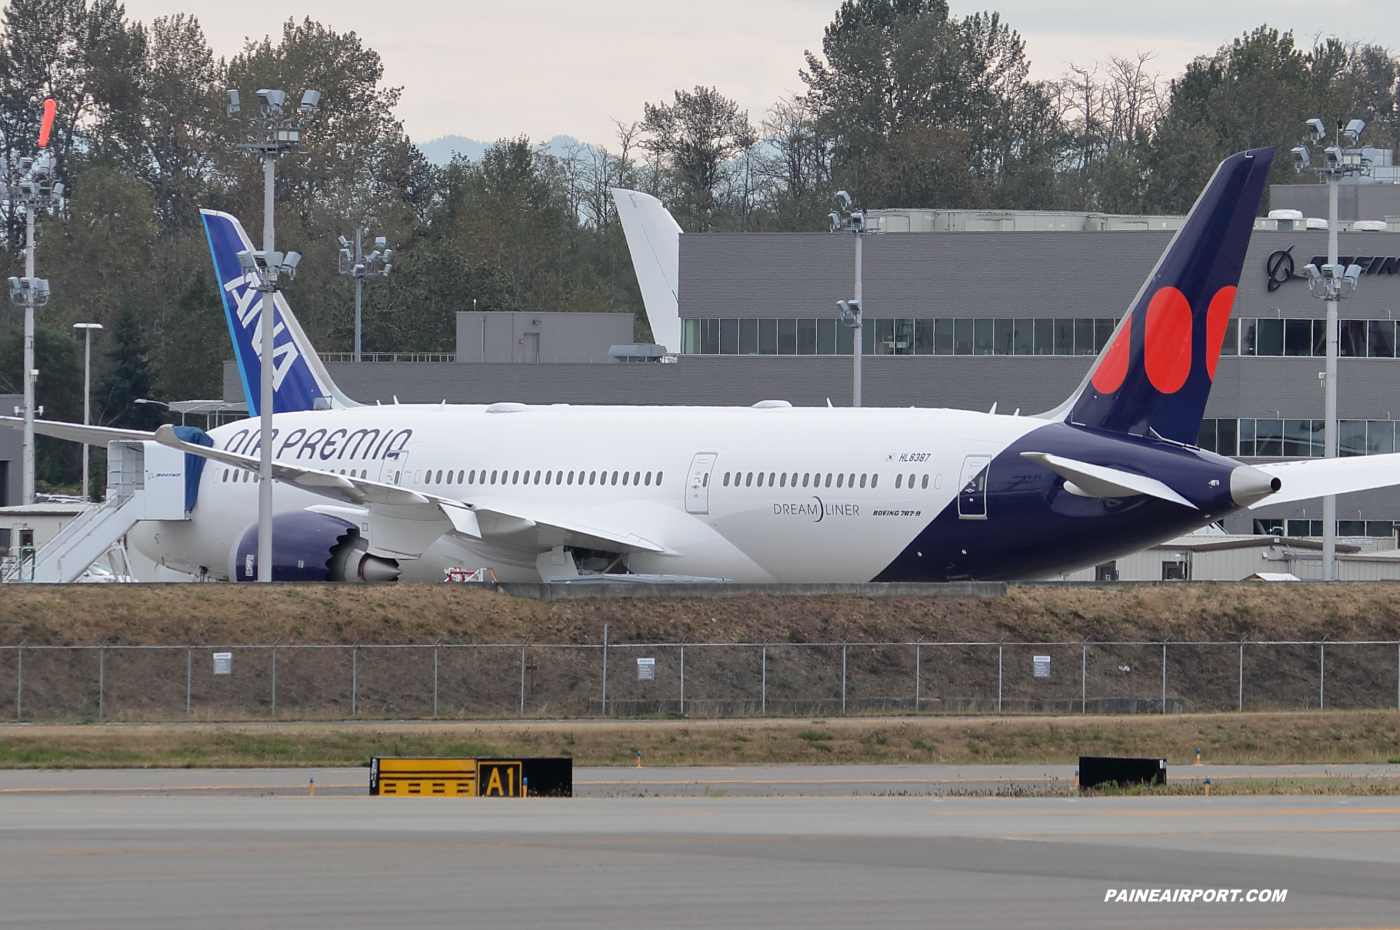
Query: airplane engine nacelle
(309, 546)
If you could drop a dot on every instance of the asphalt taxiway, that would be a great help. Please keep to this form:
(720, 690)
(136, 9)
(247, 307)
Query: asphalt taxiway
(237, 855)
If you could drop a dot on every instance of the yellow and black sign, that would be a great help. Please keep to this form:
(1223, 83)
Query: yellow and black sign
(470, 778)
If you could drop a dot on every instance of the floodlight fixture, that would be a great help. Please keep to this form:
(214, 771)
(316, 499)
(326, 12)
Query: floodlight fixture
(1354, 130)
(1332, 157)
(344, 243)
(835, 219)
(289, 263)
(272, 101)
(1317, 131)
(234, 106)
(844, 199)
(310, 100)
(1301, 158)
(858, 221)
(1351, 276)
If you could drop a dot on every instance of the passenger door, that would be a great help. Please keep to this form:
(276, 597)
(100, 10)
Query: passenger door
(697, 482)
(972, 499)
(394, 468)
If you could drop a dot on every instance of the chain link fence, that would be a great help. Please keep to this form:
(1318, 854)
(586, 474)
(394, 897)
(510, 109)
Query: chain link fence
(537, 680)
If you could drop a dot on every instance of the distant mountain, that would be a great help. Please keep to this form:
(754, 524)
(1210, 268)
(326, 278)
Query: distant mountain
(440, 151)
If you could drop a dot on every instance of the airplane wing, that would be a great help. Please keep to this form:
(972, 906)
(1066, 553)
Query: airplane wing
(77, 432)
(404, 522)
(1319, 477)
(1089, 480)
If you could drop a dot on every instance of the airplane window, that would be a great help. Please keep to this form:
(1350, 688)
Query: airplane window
(782, 480)
(614, 478)
(748, 481)
(911, 482)
(439, 477)
(418, 477)
(471, 476)
(862, 480)
(726, 478)
(771, 475)
(636, 478)
(806, 477)
(625, 475)
(548, 477)
(493, 477)
(558, 477)
(828, 479)
(398, 476)
(225, 475)
(874, 480)
(839, 479)
(537, 477)
(515, 478)
(851, 481)
(706, 482)
(925, 484)
(364, 472)
(794, 479)
(760, 479)
(461, 473)
(571, 477)
(658, 479)
(899, 480)
(592, 476)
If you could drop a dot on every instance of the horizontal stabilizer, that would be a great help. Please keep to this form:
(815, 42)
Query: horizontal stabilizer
(1317, 478)
(1089, 480)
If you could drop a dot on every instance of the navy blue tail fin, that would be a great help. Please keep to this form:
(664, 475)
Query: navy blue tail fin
(1155, 373)
(300, 381)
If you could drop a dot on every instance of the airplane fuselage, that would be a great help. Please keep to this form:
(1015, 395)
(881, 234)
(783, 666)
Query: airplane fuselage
(765, 494)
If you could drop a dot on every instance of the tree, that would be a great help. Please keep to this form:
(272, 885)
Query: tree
(127, 377)
(1257, 91)
(929, 111)
(697, 137)
(58, 389)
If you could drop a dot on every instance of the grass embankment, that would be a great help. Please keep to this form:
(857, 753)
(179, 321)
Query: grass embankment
(326, 614)
(1312, 737)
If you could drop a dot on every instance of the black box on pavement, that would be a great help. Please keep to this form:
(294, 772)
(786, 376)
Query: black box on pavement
(1105, 770)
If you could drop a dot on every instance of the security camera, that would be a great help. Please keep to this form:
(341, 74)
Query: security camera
(1353, 130)
(1316, 130)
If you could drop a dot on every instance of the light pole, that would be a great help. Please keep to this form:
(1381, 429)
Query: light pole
(87, 329)
(269, 134)
(851, 310)
(1332, 282)
(37, 191)
(359, 266)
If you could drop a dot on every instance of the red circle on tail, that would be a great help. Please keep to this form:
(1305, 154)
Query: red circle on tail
(1167, 340)
(1217, 318)
(1108, 377)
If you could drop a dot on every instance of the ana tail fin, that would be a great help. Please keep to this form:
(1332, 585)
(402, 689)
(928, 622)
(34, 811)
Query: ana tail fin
(1155, 373)
(299, 379)
(654, 239)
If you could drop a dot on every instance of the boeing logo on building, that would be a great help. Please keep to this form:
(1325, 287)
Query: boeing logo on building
(1279, 266)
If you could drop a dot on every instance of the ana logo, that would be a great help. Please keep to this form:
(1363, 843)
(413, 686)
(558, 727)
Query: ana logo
(1279, 268)
(248, 310)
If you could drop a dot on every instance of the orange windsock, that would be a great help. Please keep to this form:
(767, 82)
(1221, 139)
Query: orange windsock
(49, 108)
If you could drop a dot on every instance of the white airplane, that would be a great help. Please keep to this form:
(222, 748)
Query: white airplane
(770, 493)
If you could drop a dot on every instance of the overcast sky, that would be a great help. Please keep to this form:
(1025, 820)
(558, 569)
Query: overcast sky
(488, 70)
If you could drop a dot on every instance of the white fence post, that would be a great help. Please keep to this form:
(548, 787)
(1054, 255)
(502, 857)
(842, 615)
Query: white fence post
(682, 679)
(918, 650)
(763, 692)
(354, 678)
(843, 679)
(1000, 649)
(522, 676)
(605, 670)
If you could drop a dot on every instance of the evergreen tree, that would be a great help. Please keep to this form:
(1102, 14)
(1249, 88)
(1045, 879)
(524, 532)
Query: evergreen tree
(128, 377)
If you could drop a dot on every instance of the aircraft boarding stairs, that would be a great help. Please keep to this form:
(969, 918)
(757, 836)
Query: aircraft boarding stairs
(145, 481)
